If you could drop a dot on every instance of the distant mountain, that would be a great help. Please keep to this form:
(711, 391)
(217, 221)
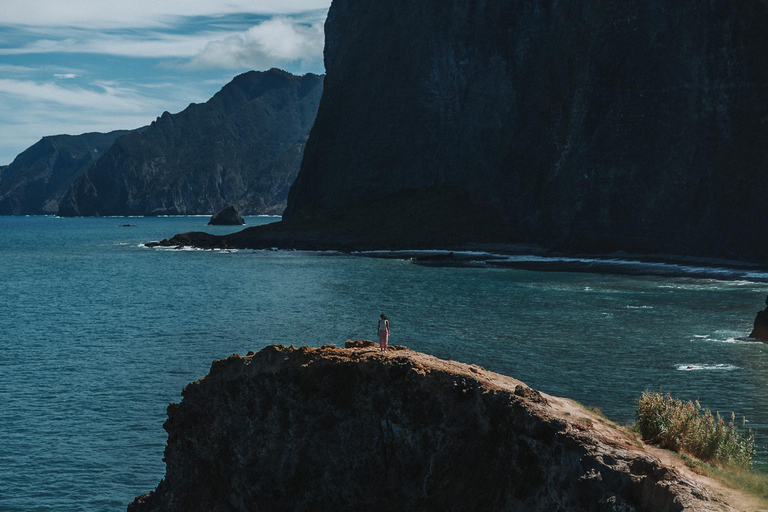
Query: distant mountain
(37, 179)
(243, 147)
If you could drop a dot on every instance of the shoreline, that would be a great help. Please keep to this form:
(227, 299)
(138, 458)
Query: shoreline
(514, 256)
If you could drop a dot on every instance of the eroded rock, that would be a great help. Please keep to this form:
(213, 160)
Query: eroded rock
(350, 429)
(227, 216)
(760, 330)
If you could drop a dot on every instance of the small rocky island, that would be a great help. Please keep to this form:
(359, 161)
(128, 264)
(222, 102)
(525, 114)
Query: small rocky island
(353, 429)
(760, 330)
(227, 216)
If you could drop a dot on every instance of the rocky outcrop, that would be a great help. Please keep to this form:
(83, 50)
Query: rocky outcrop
(584, 126)
(760, 330)
(36, 181)
(353, 429)
(242, 147)
(228, 216)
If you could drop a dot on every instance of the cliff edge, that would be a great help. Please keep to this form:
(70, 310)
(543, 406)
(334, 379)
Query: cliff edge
(352, 429)
(583, 127)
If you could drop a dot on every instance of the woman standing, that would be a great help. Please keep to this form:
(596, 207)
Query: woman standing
(383, 333)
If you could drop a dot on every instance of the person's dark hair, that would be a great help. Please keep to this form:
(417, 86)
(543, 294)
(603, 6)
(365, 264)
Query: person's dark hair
(383, 316)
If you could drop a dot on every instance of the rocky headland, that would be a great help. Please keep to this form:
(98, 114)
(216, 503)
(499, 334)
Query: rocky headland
(37, 180)
(354, 429)
(242, 147)
(587, 127)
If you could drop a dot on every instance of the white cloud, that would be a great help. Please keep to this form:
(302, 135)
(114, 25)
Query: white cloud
(269, 43)
(144, 44)
(97, 14)
(9, 68)
(175, 49)
(33, 109)
(112, 99)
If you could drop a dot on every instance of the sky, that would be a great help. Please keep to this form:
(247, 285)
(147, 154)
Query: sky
(77, 66)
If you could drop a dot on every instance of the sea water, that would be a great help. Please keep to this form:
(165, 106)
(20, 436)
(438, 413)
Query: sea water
(98, 334)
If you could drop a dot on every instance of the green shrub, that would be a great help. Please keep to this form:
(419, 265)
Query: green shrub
(684, 427)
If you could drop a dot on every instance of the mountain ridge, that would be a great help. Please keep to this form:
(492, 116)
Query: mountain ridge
(39, 177)
(241, 147)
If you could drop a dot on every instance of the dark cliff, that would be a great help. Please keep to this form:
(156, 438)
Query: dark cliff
(242, 147)
(35, 182)
(588, 126)
(353, 429)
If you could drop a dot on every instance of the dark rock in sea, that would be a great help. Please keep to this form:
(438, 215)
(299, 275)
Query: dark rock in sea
(352, 429)
(760, 330)
(242, 147)
(228, 216)
(35, 182)
(583, 126)
(128, 226)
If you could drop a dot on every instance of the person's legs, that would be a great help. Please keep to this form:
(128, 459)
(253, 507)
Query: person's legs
(383, 340)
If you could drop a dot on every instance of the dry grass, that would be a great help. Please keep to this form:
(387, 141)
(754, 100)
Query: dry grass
(687, 428)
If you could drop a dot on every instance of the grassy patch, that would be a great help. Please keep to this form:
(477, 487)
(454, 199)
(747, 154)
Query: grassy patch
(687, 428)
(752, 482)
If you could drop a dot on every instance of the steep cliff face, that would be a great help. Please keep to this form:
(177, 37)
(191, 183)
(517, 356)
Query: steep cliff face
(353, 429)
(585, 126)
(242, 147)
(35, 182)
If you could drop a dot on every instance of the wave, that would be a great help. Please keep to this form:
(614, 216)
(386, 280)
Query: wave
(438, 257)
(738, 276)
(707, 367)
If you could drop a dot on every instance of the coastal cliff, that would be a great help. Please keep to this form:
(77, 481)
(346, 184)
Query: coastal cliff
(588, 127)
(353, 429)
(242, 147)
(36, 181)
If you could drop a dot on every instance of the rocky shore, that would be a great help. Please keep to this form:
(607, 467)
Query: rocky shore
(353, 429)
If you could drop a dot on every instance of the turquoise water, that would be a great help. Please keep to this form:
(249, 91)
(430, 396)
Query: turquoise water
(98, 335)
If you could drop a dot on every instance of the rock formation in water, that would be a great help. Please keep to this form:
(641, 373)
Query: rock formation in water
(35, 182)
(242, 147)
(352, 429)
(760, 329)
(228, 216)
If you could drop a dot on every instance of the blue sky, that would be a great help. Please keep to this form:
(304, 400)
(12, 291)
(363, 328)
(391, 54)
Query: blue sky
(77, 66)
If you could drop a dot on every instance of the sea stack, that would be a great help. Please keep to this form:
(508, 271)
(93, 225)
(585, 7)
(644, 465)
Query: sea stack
(228, 216)
(353, 429)
(760, 330)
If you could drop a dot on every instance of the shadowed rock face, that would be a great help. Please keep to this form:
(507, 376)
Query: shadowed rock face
(38, 178)
(587, 126)
(760, 329)
(242, 147)
(350, 429)
(229, 216)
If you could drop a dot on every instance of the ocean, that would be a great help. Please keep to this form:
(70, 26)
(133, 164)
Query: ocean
(98, 334)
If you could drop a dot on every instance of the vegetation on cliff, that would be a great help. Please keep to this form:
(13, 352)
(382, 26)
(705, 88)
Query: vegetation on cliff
(686, 428)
